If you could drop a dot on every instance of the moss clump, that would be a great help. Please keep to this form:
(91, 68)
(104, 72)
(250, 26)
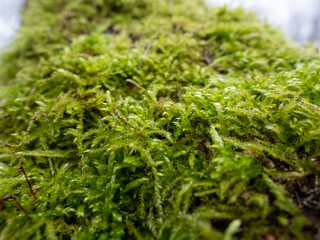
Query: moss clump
(158, 120)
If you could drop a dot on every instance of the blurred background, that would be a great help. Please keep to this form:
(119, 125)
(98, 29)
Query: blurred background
(300, 19)
(9, 19)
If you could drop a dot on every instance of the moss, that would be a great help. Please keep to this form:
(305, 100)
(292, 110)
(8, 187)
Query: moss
(158, 120)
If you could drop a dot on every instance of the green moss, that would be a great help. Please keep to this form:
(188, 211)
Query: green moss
(158, 120)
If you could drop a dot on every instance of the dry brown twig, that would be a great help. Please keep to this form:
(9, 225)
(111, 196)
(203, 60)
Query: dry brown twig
(33, 191)
(14, 198)
(34, 118)
(7, 197)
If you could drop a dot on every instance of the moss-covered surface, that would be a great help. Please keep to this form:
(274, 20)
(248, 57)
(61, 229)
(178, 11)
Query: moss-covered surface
(158, 120)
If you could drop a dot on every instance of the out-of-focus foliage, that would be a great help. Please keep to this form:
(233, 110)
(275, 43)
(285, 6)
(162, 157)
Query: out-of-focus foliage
(158, 120)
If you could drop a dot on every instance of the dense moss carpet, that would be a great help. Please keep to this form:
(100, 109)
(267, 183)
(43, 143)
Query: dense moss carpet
(144, 119)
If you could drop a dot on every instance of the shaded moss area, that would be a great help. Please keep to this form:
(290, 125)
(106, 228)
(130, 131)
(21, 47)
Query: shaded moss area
(143, 119)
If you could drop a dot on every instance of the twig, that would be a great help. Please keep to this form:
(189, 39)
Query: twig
(33, 191)
(34, 118)
(125, 121)
(148, 47)
(7, 197)
(146, 51)
(315, 107)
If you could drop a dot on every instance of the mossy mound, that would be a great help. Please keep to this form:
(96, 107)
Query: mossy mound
(144, 119)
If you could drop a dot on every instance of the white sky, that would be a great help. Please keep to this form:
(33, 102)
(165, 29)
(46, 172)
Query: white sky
(9, 19)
